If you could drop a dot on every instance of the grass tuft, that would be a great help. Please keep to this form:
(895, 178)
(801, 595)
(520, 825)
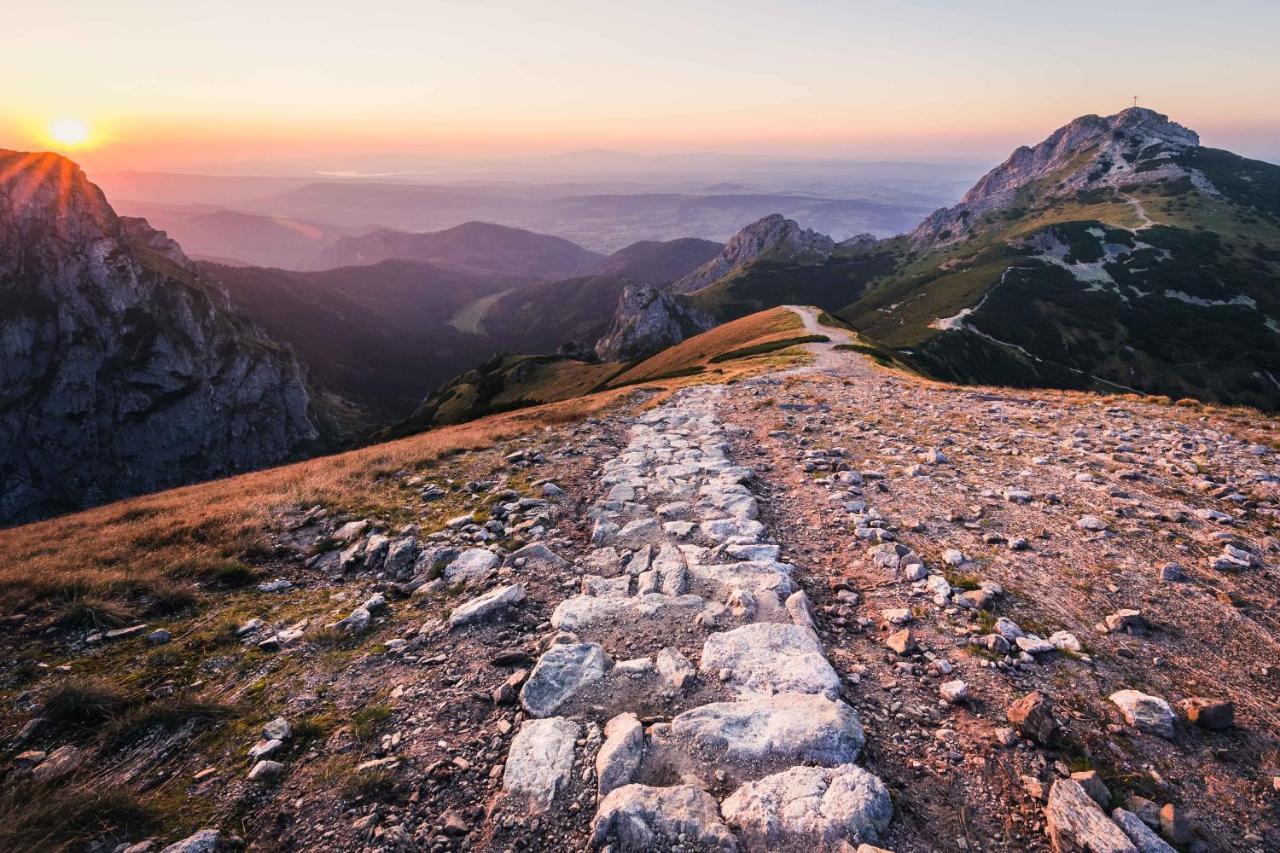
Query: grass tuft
(41, 817)
(81, 706)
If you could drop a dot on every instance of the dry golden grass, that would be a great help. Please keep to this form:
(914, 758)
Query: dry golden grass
(696, 351)
(86, 564)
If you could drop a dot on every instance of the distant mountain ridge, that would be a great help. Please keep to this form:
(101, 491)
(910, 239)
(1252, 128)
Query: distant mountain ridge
(473, 247)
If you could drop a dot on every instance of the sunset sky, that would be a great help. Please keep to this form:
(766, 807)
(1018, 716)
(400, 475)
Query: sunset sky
(292, 86)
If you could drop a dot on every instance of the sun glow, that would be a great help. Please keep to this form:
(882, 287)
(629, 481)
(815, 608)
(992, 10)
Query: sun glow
(69, 132)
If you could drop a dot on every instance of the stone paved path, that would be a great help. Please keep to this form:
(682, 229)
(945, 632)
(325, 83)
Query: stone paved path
(750, 745)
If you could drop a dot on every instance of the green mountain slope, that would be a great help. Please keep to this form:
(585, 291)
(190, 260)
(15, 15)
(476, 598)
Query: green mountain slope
(1118, 254)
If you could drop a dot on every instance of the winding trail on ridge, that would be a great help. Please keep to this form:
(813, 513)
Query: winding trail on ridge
(751, 747)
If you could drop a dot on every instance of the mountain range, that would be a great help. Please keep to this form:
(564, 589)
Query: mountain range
(1118, 255)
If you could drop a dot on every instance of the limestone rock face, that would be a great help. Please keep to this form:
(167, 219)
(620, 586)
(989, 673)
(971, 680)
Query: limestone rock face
(648, 320)
(775, 237)
(122, 369)
(1106, 140)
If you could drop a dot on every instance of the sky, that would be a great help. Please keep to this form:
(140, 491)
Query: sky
(294, 86)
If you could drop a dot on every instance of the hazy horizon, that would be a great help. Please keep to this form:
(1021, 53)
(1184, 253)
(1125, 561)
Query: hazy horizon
(404, 87)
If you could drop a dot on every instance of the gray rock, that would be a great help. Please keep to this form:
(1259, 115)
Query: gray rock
(277, 729)
(773, 731)
(487, 606)
(770, 658)
(639, 819)
(1075, 824)
(356, 623)
(540, 762)
(647, 320)
(63, 761)
(539, 558)
(471, 565)
(401, 555)
(561, 672)
(204, 841)
(583, 611)
(265, 749)
(811, 808)
(621, 753)
(1144, 840)
(266, 771)
(1149, 714)
(675, 668)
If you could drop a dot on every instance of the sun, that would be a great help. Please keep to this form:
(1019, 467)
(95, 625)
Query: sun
(70, 132)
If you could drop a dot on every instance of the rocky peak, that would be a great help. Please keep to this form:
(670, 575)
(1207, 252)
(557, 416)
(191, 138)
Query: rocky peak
(122, 370)
(775, 238)
(142, 236)
(1087, 153)
(648, 320)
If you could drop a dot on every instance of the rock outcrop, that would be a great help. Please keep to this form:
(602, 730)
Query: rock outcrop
(772, 238)
(123, 370)
(646, 321)
(1092, 151)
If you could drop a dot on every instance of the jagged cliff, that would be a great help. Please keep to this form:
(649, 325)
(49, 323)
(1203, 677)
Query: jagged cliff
(772, 238)
(648, 320)
(1091, 152)
(122, 370)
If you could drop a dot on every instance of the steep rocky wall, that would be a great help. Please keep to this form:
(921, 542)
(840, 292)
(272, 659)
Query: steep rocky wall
(121, 370)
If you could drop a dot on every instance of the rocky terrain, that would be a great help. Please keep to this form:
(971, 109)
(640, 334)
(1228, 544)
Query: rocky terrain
(772, 238)
(646, 321)
(830, 607)
(125, 370)
(1089, 153)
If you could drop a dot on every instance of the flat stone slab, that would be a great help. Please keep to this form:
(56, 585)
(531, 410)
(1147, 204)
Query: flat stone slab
(636, 818)
(767, 658)
(584, 611)
(810, 808)
(774, 731)
(734, 530)
(487, 606)
(754, 575)
(471, 564)
(559, 674)
(540, 762)
(539, 557)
